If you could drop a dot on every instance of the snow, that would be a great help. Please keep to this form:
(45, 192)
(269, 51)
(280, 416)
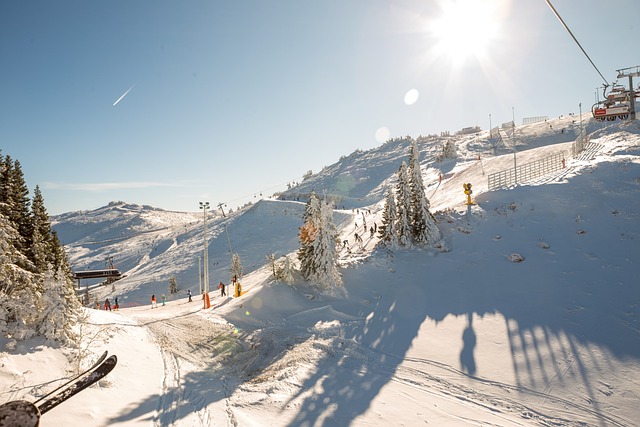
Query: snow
(414, 337)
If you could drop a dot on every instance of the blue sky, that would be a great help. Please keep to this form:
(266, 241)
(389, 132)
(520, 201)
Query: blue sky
(229, 99)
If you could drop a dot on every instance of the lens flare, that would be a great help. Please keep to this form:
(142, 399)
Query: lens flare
(411, 97)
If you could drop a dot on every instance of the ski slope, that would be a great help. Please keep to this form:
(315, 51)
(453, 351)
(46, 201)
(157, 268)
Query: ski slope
(416, 337)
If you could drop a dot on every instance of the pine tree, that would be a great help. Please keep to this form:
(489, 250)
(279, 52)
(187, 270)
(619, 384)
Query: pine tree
(173, 285)
(271, 258)
(17, 204)
(59, 257)
(285, 271)
(19, 290)
(325, 249)
(307, 236)
(449, 150)
(236, 267)
(60, 308)
(403, 194)
(387, 231)
(36, 287)
(423, 225)
(40, 250)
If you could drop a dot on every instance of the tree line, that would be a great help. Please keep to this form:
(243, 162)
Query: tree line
(37, 295)
(406, 219)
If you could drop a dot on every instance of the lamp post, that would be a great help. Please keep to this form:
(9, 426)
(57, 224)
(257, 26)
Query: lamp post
(204, 206)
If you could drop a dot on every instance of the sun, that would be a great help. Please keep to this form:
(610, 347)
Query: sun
(466, 28)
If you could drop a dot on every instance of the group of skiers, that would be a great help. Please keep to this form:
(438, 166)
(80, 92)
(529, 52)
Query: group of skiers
(221, 286)
(107, 305)
(154, 302)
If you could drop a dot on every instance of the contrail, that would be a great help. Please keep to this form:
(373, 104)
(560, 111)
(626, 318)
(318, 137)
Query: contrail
(123, 95)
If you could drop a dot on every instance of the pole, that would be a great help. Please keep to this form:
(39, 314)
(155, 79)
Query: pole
(632, 99)
(490, 128)
(200, 273)
(513, 135)
(204, 206)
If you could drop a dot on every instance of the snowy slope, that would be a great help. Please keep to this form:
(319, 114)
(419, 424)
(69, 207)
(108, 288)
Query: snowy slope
(417, 337)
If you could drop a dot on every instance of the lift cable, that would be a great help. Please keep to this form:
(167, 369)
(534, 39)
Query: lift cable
(606, 84)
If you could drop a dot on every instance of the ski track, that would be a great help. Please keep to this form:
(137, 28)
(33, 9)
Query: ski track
(494, 395)
(203, 344)
(171, 389)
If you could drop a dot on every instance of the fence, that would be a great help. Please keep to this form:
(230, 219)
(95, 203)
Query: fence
(580, 143)
(527, 172)
(536, 119)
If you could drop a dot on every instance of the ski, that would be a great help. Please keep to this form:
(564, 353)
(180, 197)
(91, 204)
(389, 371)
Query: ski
(86, 371)
(75, 387)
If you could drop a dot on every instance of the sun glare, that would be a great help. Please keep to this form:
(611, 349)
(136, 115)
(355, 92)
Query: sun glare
(466, 28)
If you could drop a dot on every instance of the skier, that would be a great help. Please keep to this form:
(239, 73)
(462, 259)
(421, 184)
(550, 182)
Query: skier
(154, 304)
(222, 292)
(163, 299)
(107, 304)
(189, 294)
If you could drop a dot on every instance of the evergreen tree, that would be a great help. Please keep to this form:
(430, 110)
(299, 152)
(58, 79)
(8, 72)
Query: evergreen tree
(40, 250)
(19, 291)
(59, 257)
(423, 225)
(236, 267)
(173, 285)
(403, 194)
(387, 231)
(36, 286)
(307, 236)
(285, 271)
(271, 258)
(60, 308)
(325, 249)
(449, 150)
(15, 196)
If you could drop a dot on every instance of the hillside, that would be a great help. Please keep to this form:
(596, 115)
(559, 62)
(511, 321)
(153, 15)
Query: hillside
(415, 337)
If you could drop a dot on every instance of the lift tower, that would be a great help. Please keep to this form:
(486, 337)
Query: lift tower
(624, 72)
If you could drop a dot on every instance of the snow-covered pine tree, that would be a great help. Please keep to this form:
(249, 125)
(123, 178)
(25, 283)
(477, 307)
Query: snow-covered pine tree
(173, 285)
(449, 150)
(286, 273)
(387, 231)
(307, 235)
(236, 266)
(423, 225)
(403, 195)
(36, 285)
(271, 258)
(19, 290)
(60, 308)
(325, 249)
